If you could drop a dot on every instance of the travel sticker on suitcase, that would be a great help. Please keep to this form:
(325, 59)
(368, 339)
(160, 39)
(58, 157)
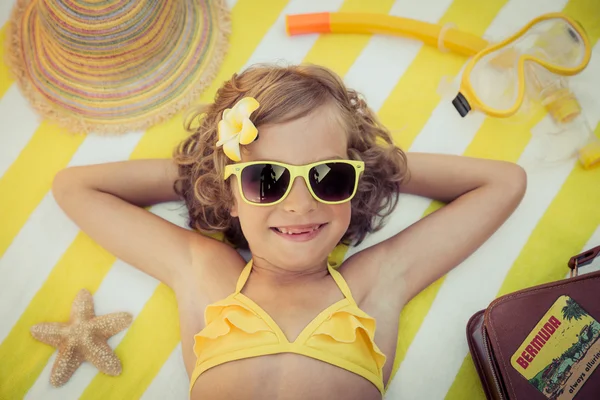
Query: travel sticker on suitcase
(561, 352)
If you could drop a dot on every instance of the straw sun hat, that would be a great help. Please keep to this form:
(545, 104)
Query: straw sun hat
(113, 66)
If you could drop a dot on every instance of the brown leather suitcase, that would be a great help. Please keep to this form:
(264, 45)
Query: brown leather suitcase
(495, 334)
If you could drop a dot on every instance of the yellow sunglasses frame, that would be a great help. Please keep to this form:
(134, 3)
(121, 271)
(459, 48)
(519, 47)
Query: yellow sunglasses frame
(295, 172)
(475, 102)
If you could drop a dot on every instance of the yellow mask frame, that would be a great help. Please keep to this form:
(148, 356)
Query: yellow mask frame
(467, 98)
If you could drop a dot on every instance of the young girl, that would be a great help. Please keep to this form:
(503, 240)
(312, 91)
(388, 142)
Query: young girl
(288, 163)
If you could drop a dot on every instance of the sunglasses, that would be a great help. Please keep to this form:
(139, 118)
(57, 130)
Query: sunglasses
(266, 183)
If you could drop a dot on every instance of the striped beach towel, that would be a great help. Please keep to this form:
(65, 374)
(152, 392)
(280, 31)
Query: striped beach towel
(45, 260)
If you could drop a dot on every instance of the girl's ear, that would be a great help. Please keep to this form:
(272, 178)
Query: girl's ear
(233, 211)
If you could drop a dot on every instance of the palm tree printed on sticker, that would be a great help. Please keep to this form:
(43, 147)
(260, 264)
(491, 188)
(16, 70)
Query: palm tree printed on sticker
(573, 310)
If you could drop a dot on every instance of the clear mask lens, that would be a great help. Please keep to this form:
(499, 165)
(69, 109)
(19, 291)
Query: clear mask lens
(527, 64)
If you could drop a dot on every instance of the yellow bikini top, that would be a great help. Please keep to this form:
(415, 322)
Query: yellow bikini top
(341, 335)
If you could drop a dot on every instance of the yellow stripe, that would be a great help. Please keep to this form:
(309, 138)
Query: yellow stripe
(466, 382)
(23, 357)
(567, 225)
(249, 26)
(29, 178)
(339, 52)
(6, 78)
(501, 139)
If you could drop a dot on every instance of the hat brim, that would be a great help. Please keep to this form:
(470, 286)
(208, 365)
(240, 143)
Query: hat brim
(96, 101)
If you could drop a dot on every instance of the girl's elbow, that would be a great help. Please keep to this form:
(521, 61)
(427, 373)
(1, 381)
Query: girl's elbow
(520, 178)
(515, 182)
(64, 182)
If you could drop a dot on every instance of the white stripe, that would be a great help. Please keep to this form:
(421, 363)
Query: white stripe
(483, 273)
(5, 10)
(440, 126)
(230, 3)
(30, 258)
(19, 123)
(277, 47)
(124, 288)
(97, 149)
(47, 234)
(172, 381)
(385, 59)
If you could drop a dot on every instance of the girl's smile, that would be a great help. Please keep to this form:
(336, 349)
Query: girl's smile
(299, 233)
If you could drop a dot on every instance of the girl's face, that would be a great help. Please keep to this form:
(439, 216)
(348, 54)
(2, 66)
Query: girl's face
(315, 137)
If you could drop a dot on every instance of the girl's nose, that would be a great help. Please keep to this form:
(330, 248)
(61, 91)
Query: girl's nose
(299, 200)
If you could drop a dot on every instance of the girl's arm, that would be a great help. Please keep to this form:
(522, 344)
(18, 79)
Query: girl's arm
(481, 195)
(106, 201)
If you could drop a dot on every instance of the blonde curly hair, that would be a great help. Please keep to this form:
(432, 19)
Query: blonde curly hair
(285, 94)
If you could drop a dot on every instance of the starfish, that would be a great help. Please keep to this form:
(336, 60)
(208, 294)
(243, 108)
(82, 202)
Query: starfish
(83, 338)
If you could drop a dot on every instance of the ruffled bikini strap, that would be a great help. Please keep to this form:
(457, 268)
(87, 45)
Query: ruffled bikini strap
(341, 282)
(243, 277)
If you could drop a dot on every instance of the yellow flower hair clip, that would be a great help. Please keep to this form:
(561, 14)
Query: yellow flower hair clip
(235, 128)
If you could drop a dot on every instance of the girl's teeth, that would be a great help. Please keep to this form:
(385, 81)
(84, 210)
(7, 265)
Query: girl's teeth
(295, 231)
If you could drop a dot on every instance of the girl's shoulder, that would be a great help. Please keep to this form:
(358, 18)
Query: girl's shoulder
(214, 271)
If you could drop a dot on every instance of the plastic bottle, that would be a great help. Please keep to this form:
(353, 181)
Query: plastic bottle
(573, 136)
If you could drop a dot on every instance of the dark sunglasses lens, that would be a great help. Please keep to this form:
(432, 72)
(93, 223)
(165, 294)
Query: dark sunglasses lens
(264, 183)
(333, 181)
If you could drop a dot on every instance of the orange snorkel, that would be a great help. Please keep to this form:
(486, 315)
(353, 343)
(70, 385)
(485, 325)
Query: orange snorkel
(444, 37)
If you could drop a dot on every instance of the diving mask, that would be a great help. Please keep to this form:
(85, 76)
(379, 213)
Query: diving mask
(498, 78)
